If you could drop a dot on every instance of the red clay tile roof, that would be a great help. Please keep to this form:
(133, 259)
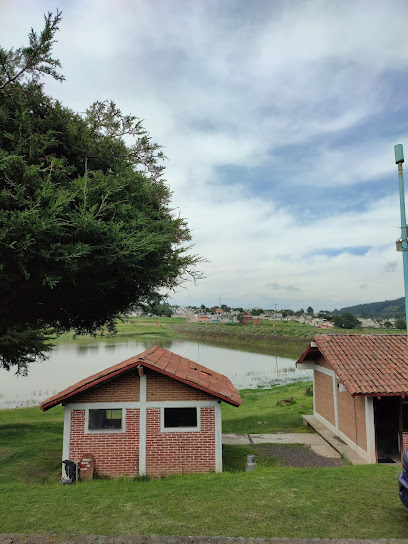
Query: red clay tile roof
(165, 362)
(366, 364)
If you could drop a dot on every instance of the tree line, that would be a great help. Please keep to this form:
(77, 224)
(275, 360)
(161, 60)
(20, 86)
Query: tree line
(377, 310)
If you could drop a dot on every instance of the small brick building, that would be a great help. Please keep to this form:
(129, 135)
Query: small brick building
(360, 386)
(154, 414)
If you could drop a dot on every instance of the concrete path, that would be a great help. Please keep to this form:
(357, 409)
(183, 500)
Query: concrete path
(314, 440)
(334, 441)
(323, 441)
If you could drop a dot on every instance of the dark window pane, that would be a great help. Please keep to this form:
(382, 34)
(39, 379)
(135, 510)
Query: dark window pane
(180, 417)
(105, 419)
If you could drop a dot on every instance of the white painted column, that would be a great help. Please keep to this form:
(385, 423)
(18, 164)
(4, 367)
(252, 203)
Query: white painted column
(336, 402)
(314, 392)
(370, 428)
(142, 425)
(218, 438)
(66, 441)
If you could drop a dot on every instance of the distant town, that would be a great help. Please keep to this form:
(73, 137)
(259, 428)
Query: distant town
(225, 314)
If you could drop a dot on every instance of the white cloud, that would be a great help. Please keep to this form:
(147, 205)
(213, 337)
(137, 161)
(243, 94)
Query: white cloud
(307, 91)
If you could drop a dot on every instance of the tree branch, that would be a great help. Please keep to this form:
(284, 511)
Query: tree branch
(35, 58)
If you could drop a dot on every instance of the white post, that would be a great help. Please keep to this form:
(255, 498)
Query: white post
(142, 425)
(370, 428)
(66, 441)
(218, 438)
(336, 402)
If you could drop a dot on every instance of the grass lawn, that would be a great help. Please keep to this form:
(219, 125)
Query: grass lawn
(30, 445)
(273, 501)
(260, 413)
(348, 502)
(133, 327)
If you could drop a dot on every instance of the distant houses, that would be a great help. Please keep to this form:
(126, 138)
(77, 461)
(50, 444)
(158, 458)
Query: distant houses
(222, 315)
(370, 324)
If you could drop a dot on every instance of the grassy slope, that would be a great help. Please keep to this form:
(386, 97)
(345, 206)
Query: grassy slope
(274, 501)
(134, 327)
(259, 412)
(30, 445)
(287, 338)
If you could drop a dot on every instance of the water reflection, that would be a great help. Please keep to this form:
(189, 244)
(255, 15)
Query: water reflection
(75, 360)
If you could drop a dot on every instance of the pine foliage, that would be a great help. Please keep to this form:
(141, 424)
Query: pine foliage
(86, 227)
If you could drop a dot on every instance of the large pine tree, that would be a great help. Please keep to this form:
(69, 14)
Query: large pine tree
(86, 231)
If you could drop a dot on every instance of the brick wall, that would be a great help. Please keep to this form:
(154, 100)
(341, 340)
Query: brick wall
(352, 421)
(161, 387)
(322, 362)
(124, 388)
(404, 441)
(115, 453)
(175, 453)
(323, 393)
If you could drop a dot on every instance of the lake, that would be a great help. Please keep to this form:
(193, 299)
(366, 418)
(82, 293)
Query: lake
(74, 360)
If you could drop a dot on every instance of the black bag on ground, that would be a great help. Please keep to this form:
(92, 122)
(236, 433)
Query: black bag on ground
(70, 469)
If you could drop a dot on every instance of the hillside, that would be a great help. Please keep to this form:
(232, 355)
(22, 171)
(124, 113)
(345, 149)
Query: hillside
(386, 309)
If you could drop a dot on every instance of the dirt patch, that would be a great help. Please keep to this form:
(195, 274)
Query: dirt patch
(297, 455)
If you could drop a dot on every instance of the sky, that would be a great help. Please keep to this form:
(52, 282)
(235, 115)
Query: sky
(278, 119)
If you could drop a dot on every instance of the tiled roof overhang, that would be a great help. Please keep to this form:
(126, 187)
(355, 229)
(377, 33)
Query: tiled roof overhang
(164, 362)
(373, 365)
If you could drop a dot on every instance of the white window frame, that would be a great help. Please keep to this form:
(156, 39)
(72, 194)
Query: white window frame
(195, 429)
(105, 431)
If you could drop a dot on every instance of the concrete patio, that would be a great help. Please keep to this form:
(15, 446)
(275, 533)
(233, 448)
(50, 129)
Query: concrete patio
(322, 441)
(314, 440)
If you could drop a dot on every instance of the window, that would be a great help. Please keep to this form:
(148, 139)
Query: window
(105, 419)
(180, 419)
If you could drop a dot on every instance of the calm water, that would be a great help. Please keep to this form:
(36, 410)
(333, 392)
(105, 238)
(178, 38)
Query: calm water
(73, 361)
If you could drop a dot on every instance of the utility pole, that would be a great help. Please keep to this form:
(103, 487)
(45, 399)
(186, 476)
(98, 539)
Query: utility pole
(399, 159)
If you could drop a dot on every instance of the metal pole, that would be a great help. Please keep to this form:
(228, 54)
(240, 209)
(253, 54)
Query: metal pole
(399, 159)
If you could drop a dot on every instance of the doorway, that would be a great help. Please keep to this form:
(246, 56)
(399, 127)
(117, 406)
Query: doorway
(387, 429)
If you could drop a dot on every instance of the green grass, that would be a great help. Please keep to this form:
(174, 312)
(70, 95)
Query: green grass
(30, 445)
(347, 502)
(260, 414)
(273, 501)
(135, 327)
